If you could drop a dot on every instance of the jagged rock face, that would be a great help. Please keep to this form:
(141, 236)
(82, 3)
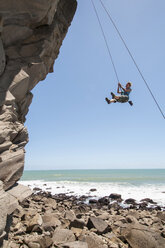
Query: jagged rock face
(31, 34)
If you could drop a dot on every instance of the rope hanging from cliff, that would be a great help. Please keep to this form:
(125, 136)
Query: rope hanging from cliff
(129, 52)
(108, 48)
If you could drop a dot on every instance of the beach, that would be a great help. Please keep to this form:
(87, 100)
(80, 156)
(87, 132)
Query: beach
(90, 209)
(44, 220)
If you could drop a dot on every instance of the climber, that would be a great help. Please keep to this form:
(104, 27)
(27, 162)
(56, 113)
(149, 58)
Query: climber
(124, 94)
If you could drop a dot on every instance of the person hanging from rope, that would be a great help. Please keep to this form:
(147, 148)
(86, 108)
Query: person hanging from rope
(124, 94)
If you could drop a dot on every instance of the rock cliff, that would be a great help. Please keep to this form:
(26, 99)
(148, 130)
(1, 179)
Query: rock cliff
(31, 34)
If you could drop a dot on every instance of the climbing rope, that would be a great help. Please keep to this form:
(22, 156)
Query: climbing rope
(137, 67)
(108, 48)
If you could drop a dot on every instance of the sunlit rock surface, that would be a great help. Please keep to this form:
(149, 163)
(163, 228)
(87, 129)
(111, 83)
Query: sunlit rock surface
(31, 34)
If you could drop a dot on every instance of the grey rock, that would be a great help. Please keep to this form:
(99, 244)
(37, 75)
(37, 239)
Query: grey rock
(77, 223)
(50, 221)
(4, 201)
(100, 225)
(115, 196)
(62, 236)
(93, 241)
(5, 146)
(75, 244)
(35, 221)
(161, 215)
(70, 215)
(16, 195)
(38, 241)
(148, 200)
(92, 190)
(11, 168)
(139, 236)
(2, 58)
(130, 201)
(31, 34)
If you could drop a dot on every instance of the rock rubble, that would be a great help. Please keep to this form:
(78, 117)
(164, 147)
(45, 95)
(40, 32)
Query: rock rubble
(44, 220)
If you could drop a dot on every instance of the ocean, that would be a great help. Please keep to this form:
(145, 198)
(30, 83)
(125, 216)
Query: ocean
(137, 183)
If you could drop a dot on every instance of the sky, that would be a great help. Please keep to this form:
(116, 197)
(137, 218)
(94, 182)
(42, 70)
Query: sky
(70, 125)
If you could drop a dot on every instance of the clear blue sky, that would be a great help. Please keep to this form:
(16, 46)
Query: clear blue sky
(70, 125)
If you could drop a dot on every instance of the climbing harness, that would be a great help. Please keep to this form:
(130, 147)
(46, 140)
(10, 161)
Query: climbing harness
(129, 52)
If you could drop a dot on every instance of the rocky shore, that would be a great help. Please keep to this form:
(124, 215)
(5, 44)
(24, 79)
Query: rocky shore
(45, 220)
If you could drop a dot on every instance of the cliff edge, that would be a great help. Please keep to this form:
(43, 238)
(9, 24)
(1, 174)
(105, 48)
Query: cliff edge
(31, 34)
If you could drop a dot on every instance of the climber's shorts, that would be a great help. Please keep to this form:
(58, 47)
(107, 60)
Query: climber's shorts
(123, 99)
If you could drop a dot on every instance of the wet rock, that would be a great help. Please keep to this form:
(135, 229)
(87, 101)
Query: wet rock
(92, 190)
(148, 200)
(37, 189)
(143, 205)
(93, 201)
(115, 196)
(114, 206)
(104, 201)
(130, 201)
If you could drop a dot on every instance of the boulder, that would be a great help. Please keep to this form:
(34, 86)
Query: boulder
(93, 190)
(93, 240)
(104, 200)
(148, 200)
(75, 244)
(93, 201)
(12, 168)
(20, 192)
(3, 210)
(50, 221)
(130, 201)
(38, 241)
(161, 215)
(70, 215)
(139, 236)
(62, 236)
(100, 225)
(77, 223)
(115, 196)
(35, 221)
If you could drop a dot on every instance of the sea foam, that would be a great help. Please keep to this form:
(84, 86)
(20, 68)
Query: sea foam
(154, 191)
